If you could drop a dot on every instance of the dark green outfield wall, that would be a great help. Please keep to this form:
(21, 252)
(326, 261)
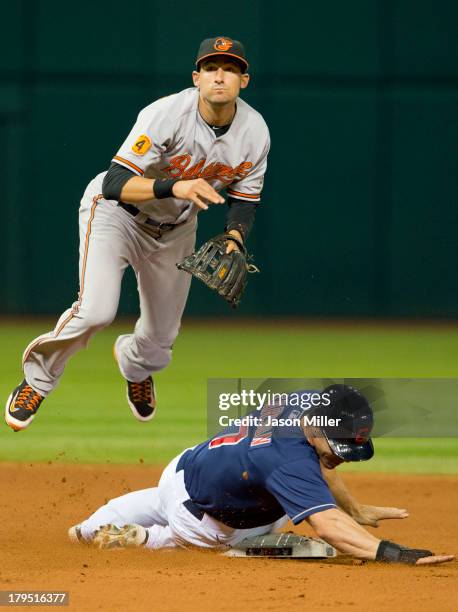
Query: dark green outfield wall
(359, 209)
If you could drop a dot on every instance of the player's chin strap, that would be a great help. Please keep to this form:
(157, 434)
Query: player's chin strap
(390, 552)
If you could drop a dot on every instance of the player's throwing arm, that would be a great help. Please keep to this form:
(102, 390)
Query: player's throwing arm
(198, 191)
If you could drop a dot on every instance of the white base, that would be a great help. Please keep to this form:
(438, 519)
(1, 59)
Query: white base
(282, 546)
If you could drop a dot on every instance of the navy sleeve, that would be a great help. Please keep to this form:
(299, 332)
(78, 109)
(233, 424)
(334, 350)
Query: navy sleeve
(300, 489)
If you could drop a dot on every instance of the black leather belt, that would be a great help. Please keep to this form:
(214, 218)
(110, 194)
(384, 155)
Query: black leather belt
(162, 227)
(189, 504)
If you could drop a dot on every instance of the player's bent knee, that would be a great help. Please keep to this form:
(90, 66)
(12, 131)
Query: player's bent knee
(99, 320)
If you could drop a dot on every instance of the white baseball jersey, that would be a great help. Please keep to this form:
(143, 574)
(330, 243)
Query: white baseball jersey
(171, 140)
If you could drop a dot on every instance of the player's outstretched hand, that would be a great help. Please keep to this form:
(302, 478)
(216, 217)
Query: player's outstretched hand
(371, 515)
(435, 559)
(198, 191)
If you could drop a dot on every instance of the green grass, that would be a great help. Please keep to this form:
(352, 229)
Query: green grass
(411, 455)
(86, 419)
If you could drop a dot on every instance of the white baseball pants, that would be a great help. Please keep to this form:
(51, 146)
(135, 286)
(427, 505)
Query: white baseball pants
(161, 511)
(110, 240)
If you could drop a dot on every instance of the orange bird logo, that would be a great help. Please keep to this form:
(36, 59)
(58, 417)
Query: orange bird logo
(222, 44)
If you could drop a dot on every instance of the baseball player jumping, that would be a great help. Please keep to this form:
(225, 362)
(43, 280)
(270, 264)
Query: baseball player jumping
(181, 153)
(249, 480)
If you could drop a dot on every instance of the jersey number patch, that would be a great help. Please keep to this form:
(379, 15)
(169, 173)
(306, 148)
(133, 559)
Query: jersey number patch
(230, 439)
(142, 144)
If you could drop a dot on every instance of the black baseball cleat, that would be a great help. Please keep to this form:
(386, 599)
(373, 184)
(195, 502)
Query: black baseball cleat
(141, 397)
(21, 406)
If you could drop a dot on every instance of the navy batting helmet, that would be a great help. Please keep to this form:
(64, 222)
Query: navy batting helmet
(350, 439)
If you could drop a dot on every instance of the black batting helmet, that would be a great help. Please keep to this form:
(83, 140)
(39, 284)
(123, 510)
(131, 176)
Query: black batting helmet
(350, 439)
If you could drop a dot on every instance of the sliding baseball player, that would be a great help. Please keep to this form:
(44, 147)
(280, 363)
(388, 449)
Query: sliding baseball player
(249, 480)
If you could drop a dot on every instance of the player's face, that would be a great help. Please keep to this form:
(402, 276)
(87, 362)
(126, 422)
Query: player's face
(220, 80)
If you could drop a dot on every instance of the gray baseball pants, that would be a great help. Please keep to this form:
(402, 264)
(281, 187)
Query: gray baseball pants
(110, 240)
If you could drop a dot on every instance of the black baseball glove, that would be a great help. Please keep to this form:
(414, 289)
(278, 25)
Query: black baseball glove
(225, 273)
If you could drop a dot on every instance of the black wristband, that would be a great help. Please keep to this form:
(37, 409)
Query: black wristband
(162, 188)
(389, 552)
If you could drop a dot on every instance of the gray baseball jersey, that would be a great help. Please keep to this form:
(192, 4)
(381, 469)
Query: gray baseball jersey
(171, 140)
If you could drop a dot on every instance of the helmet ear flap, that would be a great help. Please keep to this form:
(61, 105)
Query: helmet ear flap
(350, 440)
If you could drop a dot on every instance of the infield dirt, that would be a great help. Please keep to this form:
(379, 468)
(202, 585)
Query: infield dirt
(40, 501)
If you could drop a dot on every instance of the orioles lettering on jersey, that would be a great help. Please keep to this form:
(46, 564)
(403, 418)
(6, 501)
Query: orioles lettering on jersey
(178, 168)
